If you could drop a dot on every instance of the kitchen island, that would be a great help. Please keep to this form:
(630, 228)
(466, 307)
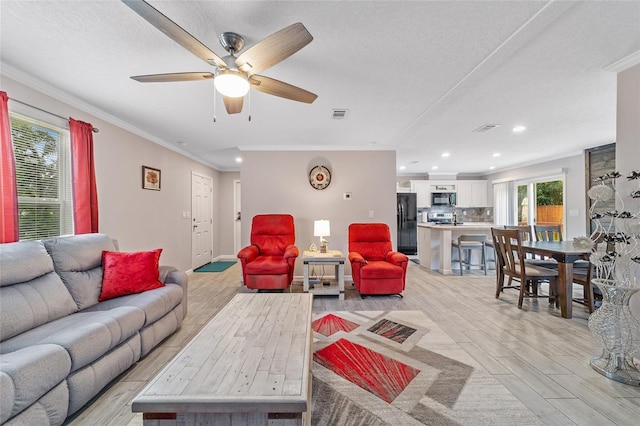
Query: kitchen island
(434, 242)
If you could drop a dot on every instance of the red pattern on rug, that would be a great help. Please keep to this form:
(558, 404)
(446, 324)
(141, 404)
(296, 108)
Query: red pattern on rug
(329, 324)
(382, 376)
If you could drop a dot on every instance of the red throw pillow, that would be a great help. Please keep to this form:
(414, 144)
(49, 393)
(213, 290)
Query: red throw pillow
(129, 273)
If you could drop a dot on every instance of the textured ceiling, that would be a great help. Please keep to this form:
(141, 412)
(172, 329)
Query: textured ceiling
(417, 77)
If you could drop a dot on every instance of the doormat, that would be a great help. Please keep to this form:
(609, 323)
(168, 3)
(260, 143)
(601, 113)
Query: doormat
(218, 266)
(384, 368)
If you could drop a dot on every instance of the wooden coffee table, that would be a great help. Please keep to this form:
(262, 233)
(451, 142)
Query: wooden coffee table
(250, 365)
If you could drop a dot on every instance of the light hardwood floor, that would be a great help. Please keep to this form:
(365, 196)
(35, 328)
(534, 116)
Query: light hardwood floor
(540, 357)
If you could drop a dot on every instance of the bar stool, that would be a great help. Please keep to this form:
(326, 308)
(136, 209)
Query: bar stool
(467, 243)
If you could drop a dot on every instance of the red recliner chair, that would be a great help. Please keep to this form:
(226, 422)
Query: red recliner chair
(268, 263)
(375, 268)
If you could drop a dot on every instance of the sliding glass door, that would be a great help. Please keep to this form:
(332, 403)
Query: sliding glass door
(541, 202)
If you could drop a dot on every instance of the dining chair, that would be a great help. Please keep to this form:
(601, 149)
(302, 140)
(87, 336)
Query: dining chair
(465, 244)
(548, 232)
(524, 230)
(500, 267)
(583, 276)
(583, 272)
(508, 243)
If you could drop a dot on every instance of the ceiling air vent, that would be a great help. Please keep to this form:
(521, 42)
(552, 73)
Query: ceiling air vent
(486, 128)
(339, 114)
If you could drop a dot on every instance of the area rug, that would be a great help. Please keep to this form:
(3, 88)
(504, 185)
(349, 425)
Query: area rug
(217, 266)
(400, 368)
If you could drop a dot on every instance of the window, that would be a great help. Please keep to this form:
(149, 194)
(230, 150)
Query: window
(541, 201)
(43, 177)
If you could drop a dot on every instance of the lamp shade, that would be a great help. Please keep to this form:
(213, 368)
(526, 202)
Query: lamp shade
(321, 228)
(231, 83)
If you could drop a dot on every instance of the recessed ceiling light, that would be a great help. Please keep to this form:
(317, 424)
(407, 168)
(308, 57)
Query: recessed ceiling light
(434, 168)
(445, 154)
(402, 167)
(238, 159)
(492, 167)
(496, 154)
(519, 129)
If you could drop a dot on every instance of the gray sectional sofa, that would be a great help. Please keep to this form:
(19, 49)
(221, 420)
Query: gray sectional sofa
(59, 346)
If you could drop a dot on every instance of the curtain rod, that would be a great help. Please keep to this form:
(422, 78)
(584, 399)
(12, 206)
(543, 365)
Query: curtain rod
(95, 129)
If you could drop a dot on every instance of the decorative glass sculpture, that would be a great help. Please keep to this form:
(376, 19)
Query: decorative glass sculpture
(616, 261)
(617, 331)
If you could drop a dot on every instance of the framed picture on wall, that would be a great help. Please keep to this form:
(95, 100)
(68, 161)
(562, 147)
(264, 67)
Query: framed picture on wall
(150, 178)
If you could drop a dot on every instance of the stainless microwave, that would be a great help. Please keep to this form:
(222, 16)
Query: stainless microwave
(443, 199)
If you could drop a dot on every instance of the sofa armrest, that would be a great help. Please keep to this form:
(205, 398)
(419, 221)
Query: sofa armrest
(355, 257)
(247, 254)
(171, 275)
(397, 258)
(291, 252)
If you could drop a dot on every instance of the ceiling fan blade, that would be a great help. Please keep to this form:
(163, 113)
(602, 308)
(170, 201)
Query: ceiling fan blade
(233, 105)
(177, 76)
(274, 49)
(281, 89)
(174, 31)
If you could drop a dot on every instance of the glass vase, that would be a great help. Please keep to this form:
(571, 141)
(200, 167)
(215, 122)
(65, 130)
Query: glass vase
(617, 331)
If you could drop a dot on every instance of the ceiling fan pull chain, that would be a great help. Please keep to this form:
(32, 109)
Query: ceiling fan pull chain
(249, 105)
(214, 105)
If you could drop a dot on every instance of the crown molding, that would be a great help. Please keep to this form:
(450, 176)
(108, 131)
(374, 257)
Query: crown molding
(624, 63)
(64, 97)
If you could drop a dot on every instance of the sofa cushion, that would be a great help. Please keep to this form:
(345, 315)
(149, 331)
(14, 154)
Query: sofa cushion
(78, 261)
(380, 270)
(49, 410)
(85, 335)
(155, 303)
(23, 262)
(267, 265)
(31, 293)
(129, 273)
(28, 374)
(87, 382)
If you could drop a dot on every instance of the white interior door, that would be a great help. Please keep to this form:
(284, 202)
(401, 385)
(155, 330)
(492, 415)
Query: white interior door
(237, 217)
(201, 220)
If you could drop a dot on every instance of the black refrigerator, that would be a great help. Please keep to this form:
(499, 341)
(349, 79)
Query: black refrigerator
(407, 223)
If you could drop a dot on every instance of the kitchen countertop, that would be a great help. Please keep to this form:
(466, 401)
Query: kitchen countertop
(434, 242)
(466, 225)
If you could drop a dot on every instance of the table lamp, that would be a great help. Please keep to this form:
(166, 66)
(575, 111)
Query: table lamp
(321, 229)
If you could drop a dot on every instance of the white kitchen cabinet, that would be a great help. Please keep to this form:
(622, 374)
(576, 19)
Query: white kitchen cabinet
(472, 193)
(423, 194)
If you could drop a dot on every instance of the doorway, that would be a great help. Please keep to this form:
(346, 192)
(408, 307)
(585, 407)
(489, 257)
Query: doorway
(201, 220)
(237, 217)
(541, 202)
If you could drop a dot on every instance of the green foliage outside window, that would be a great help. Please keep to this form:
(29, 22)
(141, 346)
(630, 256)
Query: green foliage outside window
(549, 193)
(36, 150)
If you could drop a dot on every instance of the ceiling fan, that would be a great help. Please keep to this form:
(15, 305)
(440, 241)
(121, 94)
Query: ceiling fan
(234, 75)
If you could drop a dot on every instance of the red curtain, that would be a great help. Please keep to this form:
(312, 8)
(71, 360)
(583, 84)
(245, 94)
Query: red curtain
(9, 229)
(85, 194)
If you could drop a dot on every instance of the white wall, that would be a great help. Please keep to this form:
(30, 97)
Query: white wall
(628, 146)
(139, 219)
(277, 182)
(574, 188)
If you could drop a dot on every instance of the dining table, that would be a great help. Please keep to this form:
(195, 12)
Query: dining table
(565, 253)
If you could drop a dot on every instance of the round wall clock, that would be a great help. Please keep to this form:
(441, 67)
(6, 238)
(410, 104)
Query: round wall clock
(319, 177)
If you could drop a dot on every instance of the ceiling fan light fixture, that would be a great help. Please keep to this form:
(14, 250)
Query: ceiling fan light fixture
(231, 83)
